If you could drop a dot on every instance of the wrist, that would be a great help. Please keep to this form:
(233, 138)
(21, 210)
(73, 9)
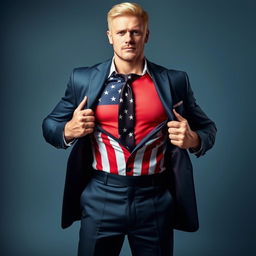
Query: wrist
(67, 134)
(195, 143)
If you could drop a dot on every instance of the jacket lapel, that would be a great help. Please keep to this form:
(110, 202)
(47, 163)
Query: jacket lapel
(163, 86)
(158, 74)
(97, 80)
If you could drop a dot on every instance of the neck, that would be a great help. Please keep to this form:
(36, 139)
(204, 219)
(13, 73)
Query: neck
(128, 67)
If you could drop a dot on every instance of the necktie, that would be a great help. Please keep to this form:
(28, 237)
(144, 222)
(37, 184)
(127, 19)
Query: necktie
(126, 113)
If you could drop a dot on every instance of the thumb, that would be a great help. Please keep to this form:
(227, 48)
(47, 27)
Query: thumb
(82, 104)
(178, 116)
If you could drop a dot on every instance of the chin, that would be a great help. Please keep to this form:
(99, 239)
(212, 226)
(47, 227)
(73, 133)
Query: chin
(130, 57)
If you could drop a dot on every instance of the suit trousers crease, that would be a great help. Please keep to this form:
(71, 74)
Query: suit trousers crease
(109, 212)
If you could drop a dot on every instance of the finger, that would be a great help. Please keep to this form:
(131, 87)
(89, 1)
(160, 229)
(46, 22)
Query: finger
(175, 131)
(87, 119)
(174, 137)
(82, 104)
(175, 142)
(87, 112)
(173, 124)
(89, 130)
(178, 116)
(86, 131)
(178, 144)
(88, 125)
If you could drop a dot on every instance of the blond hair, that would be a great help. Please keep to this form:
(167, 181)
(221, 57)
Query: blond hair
(132, 9)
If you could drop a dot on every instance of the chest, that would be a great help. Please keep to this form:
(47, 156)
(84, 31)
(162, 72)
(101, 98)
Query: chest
(148, 107)
(149, 111)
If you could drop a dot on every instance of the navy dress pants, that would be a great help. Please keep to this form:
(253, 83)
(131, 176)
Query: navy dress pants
(113, 209)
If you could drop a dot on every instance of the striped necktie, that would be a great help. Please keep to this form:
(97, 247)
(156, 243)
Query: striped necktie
(126, 113)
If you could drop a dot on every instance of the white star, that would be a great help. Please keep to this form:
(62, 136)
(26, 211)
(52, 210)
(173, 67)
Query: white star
(113, 86)
(99, 99)
(119, 91)
(129, 77)
(131, 117)
(106, 92)
(121, 100)
(131, 100)
(126, 94)
(124, 130)
(126, 111)
(119, 81)
(113, 98)
(130, 134)
(120, 117)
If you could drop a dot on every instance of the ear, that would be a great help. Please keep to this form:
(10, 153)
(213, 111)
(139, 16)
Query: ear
(109, 37)
(147, 36)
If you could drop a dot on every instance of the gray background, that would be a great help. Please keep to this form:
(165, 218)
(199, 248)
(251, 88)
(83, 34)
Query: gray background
(41, 41)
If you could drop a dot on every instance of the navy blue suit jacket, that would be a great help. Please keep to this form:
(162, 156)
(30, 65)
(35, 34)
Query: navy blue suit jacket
(172, 87)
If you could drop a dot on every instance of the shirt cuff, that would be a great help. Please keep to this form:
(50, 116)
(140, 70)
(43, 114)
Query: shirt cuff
(195, 151)
(68, 144)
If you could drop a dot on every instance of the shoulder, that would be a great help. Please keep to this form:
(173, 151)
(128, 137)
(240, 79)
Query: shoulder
(81, 74)
(78, 71)
(177, 78)
(159, 68)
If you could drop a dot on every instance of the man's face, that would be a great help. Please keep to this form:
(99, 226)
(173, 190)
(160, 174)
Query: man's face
(128, 35)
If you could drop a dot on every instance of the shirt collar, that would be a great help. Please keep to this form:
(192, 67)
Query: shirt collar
(113, 68)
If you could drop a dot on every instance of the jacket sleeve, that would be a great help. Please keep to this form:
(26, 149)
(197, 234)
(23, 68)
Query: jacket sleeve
(198, 120)
(53, 125)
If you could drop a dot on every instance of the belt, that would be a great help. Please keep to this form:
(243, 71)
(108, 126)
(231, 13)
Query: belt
(140, 181)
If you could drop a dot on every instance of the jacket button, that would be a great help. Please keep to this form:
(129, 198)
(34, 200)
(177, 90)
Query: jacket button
(128, 169)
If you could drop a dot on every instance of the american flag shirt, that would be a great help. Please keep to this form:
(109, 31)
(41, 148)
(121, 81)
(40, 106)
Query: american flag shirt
(150, 130)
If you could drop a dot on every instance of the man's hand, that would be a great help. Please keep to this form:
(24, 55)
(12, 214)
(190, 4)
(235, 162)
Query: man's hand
(81, 124)
(181, 135)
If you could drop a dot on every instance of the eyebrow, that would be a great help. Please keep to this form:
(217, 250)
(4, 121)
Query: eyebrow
(124, 30)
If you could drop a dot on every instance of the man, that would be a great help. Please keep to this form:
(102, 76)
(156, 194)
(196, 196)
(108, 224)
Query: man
(131, 122)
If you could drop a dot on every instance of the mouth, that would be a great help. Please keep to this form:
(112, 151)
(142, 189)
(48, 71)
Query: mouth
(129, 48)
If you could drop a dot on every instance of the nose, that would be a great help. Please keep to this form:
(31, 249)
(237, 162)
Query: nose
(128, 37)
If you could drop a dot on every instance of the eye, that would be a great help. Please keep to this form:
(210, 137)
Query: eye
(121, 33)
(136, 32)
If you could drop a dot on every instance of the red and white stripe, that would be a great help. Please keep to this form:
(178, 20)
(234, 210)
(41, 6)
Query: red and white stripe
(112, 157)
